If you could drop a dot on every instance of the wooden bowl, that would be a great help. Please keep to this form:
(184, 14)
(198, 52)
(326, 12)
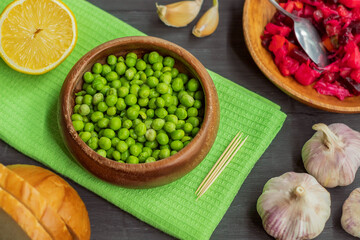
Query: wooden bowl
(143, 175)
(257, 13)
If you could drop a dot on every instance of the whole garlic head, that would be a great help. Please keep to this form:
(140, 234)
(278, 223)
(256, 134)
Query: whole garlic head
(350, 219)
(332, 154)
(294, 206)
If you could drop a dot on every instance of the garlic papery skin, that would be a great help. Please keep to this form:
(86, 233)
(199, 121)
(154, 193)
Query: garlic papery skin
(350, 219)
(294, 206)
(208, 22)
(332, 154)
(179, 14)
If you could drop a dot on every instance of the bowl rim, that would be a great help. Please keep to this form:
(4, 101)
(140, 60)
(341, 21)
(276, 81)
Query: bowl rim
(211, 105)
(278, 82)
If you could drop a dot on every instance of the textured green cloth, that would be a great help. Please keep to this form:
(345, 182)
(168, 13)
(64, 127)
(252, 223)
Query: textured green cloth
(28, 122)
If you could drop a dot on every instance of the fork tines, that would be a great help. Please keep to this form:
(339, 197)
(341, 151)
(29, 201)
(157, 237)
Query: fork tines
(221, 163)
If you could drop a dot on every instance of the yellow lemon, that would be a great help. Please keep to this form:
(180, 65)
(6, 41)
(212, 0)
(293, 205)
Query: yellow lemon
(36, 35)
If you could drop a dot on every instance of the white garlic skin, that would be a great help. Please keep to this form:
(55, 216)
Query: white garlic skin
(337, 164)
(289, 214)
(350, 219)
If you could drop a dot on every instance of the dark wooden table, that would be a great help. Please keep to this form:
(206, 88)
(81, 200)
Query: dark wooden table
(225, 53)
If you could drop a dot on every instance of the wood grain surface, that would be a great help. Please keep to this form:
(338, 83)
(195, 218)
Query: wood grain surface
(224, 52)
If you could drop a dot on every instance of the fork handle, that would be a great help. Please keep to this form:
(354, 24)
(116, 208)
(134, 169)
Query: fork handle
(276, 4)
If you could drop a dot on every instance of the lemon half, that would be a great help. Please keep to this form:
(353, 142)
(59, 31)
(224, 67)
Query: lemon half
(36, 35)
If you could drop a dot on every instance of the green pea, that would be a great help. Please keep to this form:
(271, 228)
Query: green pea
(79, 100)
(149, 72)
(197, 104)
(87, 99)
(162, 88)
(160, 102)
(180, 124)
(177, 84)
(155, 154)
(127, 124)
(123, 92)
(96, 116)
(105, 90)
(105, 143)
(132, 160)
(164, 153)
(177, 134)
(169, 62)
(174, 72)
(132, 55)
(93, 143)
(194, 121)
(166, 69)
(152, 103)
(153, 93)
(157, 66)
(97, 98)
(153, 57)
(76, 108)
(187, 100)
(116, 155)
(84, 109)
(123, 133)
(132, 113)
(150, 135)
(141, 65)
(152, 81)
(144, 92)
(103, 123)
(162, 138)
(115, 123)
(150, 159)
(125, 155)
(195, 131)
(188, 127)
(165, 78)
(122, 146)
(158, 124)
(181, 113)
(76, 117)
(120, 68)
(184, 77)
(130, 141)
(135, 150)
(130, 61)
(176, 145)
(111, 60)
(109, 133)
(172, 118)
(115, 141)
(89, 127)
(172, 109)
(120, 104)
(111, 111)
(143, 156)
(102, 107)
(101, 152)
(130, 73)
(97, 68)
(169, 127)
(143, 102)
(150, 113)
(161, 112)
(88, 77)
(85, 136)
(106, 69)
(193, 85)
(111, 76)
(111, 100)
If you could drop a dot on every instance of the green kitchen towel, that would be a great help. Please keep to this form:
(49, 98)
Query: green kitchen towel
(28, 122)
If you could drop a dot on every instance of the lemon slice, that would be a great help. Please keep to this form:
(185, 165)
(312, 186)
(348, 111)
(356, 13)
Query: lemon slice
(36, 35)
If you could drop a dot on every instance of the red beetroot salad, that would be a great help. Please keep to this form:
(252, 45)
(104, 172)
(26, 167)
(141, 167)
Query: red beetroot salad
(338, 23)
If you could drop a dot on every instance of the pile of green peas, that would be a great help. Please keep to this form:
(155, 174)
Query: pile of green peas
(138, 110)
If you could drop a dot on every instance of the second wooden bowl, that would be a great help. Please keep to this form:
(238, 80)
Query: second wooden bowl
(147, 174)
(257, 13)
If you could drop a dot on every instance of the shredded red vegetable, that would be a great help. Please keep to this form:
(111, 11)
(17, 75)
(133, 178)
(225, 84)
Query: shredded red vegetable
(338, 22)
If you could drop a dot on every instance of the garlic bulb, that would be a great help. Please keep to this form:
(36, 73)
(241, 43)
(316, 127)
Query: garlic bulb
(332, 155)
(350, 219)
(208, 22)
(294, 206)
(179, 14)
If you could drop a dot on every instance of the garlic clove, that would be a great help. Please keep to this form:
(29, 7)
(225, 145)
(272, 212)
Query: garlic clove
(331, 155)
(179, 14)
(294, 206)
(350, 219)
(208, 22)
